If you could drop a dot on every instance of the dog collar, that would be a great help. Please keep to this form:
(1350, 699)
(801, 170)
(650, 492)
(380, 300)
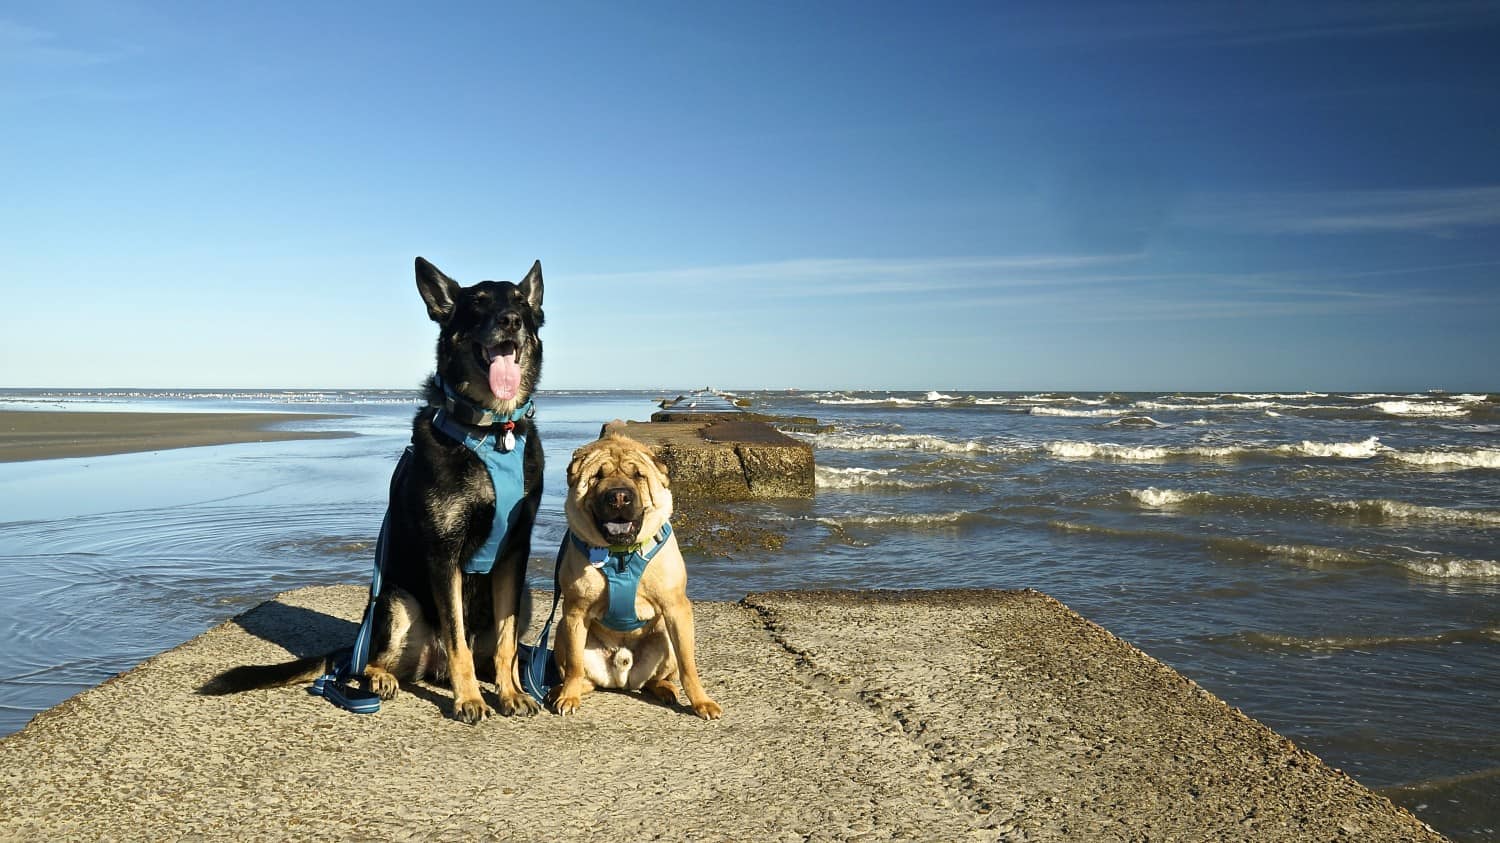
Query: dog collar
(621, 553)
(464, 411)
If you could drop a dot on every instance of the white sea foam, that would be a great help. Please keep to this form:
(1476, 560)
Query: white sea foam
(1470, 398)
(1151, 453)
(1318, 555)
(1283, 396)
(934, 395)
(888, 400)
(1200, 422)
(1471, 458)
(1155, 498)
(1339, 450)
(1136, 453)
(828, 477)
(991, 402)
(1419, 408)
(1082, 414)
(896, 442)
(1448, 569)
(1402, 511)
(1210, 406)
(899, 519)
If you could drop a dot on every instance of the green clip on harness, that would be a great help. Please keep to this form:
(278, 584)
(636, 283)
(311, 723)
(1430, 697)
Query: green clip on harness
(622, 567)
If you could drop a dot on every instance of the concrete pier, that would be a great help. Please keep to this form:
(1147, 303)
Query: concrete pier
(726, 459)
(943, 715)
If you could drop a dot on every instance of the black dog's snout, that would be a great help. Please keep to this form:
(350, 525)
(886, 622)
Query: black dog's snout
(508, 321)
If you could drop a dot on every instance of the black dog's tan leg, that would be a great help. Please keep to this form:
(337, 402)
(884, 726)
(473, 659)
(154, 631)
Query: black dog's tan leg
(572, 638)
(468, 705)
(679, 618)
(507, 602)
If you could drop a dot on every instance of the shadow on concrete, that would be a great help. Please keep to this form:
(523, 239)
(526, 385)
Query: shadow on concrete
(303, 632)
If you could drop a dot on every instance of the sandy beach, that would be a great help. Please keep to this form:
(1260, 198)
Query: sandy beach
(26, 435)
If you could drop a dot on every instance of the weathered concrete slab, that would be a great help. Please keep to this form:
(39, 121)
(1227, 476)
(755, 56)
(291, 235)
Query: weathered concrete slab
(727, 460)
(928, 715)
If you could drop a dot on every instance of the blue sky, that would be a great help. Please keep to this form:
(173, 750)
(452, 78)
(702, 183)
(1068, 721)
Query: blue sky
(816, 195)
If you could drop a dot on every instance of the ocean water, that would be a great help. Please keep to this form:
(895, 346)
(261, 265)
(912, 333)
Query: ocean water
(1326, 562)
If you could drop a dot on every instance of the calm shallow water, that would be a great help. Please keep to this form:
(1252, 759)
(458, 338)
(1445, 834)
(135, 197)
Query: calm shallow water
(1328, 563)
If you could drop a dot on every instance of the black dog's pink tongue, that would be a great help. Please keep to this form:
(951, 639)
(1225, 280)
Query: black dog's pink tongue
(505, 376)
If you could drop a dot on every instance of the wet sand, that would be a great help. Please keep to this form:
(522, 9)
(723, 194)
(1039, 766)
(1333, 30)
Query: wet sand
(26, 435)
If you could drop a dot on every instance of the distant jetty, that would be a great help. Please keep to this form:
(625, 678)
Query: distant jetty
(716, 449)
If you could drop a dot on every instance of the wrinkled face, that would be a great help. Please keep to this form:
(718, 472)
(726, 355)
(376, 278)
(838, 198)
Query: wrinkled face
(488, 348)
(620, 488)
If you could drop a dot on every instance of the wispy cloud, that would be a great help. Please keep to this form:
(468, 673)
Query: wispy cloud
(30, 47)
(1436, 212)
(835, 276)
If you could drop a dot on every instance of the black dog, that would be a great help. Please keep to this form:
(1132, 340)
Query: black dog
(432, 617)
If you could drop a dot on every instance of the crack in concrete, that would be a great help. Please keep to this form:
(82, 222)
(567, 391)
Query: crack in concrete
(963, 791)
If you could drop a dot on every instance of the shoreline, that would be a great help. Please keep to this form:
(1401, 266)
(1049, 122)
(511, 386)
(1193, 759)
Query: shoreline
(27, 435)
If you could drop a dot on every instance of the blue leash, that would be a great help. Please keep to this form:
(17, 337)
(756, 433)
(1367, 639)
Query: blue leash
(338, 685)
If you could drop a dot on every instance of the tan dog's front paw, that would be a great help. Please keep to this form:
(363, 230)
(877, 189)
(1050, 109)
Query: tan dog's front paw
(663, 690)
(567, 703)
(708, 709)
(518, 705)
(470, 711)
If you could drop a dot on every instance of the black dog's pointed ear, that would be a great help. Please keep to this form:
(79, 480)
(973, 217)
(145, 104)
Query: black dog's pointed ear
(531, 286)
(438, 290)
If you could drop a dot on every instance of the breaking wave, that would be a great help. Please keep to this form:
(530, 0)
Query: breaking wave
(1155, 453)
(1461, 458)
(897, 442)
(1417, 408)
(1373, 510)
(1316, 557)
(1449, 569)
(1082, 414)
(1277, 641)
(862, 478)
(903, 519)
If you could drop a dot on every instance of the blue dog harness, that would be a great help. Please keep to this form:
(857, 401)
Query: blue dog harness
(622, 567)
(503, 456)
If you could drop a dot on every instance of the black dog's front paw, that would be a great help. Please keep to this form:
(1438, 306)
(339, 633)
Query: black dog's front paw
(382, 682)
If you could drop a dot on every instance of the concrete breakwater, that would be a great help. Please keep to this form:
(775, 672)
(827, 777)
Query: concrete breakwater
(942, 715)
(717, 451)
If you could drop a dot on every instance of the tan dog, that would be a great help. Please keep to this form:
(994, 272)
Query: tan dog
(618, 497)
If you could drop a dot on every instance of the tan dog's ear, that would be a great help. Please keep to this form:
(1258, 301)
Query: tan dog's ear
(655, 475)
(586, 461)
(574, 466)
(661, 468)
